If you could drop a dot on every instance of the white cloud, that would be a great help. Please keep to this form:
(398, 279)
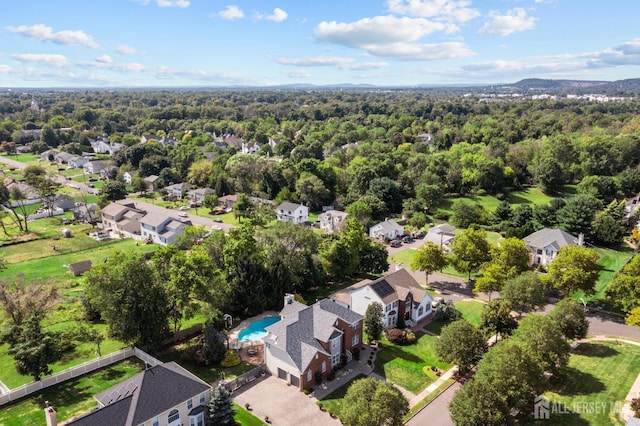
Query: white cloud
(105, 59)
(513, 21)
(297, 74)
(54, 60)
(231, 12)
(624, 54)
(173, 3)
(278, 15)
(377, 30)
(66, 37)
(125, 49)
(331, 61)
(421, 51)
(5, 68)
(447, 10)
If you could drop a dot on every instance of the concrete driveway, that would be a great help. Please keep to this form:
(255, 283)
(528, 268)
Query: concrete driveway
(285, 405)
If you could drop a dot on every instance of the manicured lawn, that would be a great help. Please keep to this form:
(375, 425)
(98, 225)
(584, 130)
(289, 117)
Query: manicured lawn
(23, 158)
(245, 417)
(599, 372)
(532, 196)
(471, 310)
(409, 366)
(333, 402)
(70, 398)
(610, 262)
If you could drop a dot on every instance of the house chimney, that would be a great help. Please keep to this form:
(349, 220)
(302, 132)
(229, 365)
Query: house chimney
(581, 239)
(50, 415)
(288, 298)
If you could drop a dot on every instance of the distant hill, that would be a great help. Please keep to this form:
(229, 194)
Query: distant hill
(578, 86)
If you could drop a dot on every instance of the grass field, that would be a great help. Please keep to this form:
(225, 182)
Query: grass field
(599, 372)
(409, 366)
(471, 311)
(610, 262)
(245, 417)
(71, 398)
(532, 196)
(23, 158)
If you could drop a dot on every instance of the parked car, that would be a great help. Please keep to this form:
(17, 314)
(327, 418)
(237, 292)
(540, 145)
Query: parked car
(395, 243)
(216, 227)
(407, 239)
(183, 214)
(418, 234)
(184, 208)
(217, 220)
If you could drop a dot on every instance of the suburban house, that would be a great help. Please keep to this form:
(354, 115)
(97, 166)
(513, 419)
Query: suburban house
(399, 294)
(104, 146)
(250, 147)
(48, 155)
(198, 195)
(162, 229)
(311, 340)
(178, 190)
(163, 395)
(152, 181)
(388, 229)
(109, 172)
(290, 212)
(441, 235)
(78, 161)
(95, 166)
(631, 205)
(545, 244)
(63, 157)
(123, 219)
(127, 177)
(228, 200)
(85, 213)
(331, 220)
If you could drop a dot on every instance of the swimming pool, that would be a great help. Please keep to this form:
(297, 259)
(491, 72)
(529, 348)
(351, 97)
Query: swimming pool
(256, 330)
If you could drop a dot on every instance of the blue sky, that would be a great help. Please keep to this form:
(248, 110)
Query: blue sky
(170, 43)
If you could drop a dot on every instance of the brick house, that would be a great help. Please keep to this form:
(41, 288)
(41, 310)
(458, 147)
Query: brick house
(311, 340)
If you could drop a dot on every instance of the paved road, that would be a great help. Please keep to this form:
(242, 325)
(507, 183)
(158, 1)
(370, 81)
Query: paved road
(12, 163)
(436, 413)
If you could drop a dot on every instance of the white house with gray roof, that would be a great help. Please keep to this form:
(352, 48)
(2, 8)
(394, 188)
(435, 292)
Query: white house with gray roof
(441, 235)
(399, 294)
(310, 341)
(291, 212)
(162, 229)
(163, 395)
(388, 229)
(545, 244)
(331, 220)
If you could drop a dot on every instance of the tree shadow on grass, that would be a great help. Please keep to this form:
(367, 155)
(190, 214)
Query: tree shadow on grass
(516, 199)
(576, 382)
(598, 350)
(569, 419)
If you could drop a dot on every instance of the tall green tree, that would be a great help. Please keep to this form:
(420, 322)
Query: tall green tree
(574, 268)
(570, 318)
(496, 318)
(429, 258)
(221, 411)
(525, 292)
(114, 190)
(371, 402)
(541, 336)
(509, 258)
(372, 322)
(34, 349)
(126, 292)
(624, 289)
(470, 250)
(461, 343)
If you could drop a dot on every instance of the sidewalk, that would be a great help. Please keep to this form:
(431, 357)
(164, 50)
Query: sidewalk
(433, 386)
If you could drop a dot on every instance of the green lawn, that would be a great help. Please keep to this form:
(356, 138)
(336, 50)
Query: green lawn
(471, 311)
(70, 398)
(245, 417)
(599, 372)
(23, 158)
(333, 402)
(532, 195)
(610, 262)
(409, 366)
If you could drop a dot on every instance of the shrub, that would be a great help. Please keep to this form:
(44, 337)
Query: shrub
(193, 354)
(397, 336)
(411, 338)
(231, 359)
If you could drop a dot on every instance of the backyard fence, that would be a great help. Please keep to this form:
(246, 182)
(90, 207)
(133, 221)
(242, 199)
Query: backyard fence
(245, 378)
(76, 371)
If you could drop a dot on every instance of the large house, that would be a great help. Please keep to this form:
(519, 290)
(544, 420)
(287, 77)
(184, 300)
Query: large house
(388, 229)
(399, 294)
(162, 229)
(290, 212)
(163, 395)
(95, 166)
(331, 220)
(311, 340)
(123, 219)
(441, 235)
(197, 196)
(178, 190)
(545, 244)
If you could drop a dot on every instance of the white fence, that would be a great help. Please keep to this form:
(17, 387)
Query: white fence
(76, 371)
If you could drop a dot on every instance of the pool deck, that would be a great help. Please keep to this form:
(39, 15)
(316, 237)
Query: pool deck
(233, 334)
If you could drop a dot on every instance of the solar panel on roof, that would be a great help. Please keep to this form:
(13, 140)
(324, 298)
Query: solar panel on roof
(382, 288)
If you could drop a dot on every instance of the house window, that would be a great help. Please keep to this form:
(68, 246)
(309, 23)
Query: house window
(335, 359)
(355, 340)
(355, 326)
(174, 415)
(197, 420)
(420, 311)
(309, 375)
(324, 366)
(155, 422)
(202, 398)
(190, 404)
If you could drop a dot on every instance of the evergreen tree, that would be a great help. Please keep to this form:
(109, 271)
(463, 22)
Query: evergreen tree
(373, 324)
(34, 349)
(220, 408)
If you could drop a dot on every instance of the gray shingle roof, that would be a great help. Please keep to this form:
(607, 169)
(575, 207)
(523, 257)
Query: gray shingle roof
(144, 396)
(545, 237)
(291, 207)
(403, 283)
